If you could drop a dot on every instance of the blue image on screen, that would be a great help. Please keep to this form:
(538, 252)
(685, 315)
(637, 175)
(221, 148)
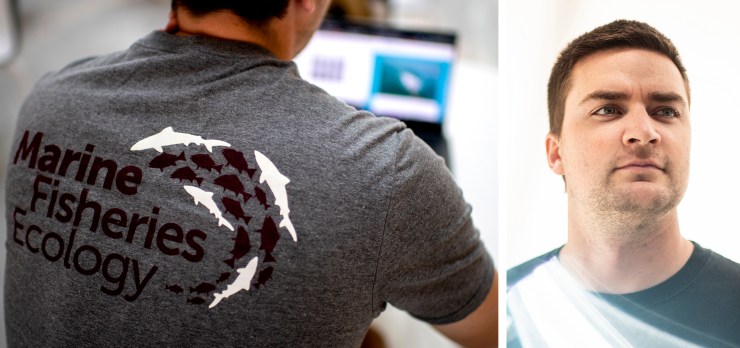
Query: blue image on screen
(412, 77)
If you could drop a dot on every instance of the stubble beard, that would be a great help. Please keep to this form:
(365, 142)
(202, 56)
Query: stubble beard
(628, 216)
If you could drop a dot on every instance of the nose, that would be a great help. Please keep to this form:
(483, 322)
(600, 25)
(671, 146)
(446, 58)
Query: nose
(640, 130)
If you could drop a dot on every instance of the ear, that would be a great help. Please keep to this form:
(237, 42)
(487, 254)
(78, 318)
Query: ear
(307, 5)
(552, 144)
(172, 25)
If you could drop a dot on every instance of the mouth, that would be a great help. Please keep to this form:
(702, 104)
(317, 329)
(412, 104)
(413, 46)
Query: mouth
(640, 166)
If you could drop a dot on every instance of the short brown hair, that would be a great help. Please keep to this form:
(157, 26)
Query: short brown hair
(618, 34)
(251, 11)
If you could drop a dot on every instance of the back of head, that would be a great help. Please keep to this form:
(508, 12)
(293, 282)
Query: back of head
(617, 34)
(253, 11)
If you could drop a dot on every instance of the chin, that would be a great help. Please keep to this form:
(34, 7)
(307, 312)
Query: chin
(647, 200)
(636, 200)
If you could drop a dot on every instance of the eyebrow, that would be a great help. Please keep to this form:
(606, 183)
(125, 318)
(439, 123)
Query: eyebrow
(667, 97)
(660, 97)
(604, 95)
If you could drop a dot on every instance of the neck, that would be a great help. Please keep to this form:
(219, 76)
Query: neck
(275, 35)
(624, 257)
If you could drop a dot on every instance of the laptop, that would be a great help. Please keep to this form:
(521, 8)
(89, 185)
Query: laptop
(388, 71)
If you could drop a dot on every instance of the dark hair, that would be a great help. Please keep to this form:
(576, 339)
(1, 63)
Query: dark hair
(255, 12)
(618, 34)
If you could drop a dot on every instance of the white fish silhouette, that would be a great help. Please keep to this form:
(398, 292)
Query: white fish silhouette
(206, 199)
(277, 183)
(242, 282)
(411, 82)
(169, 137)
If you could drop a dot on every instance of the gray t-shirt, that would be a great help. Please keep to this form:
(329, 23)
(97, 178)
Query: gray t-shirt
(197, 192)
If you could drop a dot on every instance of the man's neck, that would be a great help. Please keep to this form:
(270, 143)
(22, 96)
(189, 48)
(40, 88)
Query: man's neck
(273, 36)
(627, 258)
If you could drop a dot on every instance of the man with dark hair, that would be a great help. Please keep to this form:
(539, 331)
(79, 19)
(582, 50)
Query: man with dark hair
(619, 34)
(193, 190)
(620, 133)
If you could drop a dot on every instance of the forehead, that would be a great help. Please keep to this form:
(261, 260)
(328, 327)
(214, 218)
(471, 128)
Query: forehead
(635, 72)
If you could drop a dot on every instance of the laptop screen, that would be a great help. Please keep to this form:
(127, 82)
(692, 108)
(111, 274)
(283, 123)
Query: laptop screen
(391, 72)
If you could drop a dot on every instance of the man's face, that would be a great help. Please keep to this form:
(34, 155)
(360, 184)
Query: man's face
(625, 140)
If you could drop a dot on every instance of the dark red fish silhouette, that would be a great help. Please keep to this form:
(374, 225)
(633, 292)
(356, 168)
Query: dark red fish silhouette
(264, 276)
(196, 300)
(204, 160)
(262, 197)
(241, 246)
(236, 159)
(234, 207)
(203, 288)
(232, 183)
(166, 160)
(270, 236)
(224, 277)
(174, 288)
(185, 173)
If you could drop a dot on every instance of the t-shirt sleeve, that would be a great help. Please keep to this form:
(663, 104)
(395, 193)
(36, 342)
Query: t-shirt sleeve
(432, 262)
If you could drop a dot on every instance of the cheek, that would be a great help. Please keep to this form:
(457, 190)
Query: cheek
(678, 147)
(588, 149)
(683, 159)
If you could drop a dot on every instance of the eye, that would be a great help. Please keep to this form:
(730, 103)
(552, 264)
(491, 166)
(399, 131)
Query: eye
(607, 110)
(666, 112)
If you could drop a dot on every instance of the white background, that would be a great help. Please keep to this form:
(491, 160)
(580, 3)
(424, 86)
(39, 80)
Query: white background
(707, 34)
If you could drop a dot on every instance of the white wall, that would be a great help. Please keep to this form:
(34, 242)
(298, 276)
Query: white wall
(533, 202)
